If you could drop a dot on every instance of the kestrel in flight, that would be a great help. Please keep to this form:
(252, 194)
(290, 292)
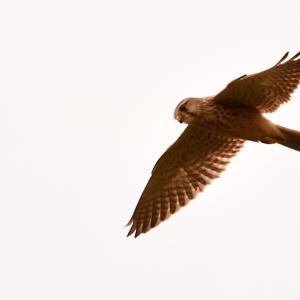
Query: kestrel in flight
(217, 129)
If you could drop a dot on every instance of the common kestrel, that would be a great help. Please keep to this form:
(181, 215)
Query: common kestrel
(217, 129)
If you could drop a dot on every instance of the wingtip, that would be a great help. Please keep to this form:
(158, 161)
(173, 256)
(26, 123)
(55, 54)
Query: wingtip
(137, 229)
(295, 56)
(136, 234)
(132, 229)
(129, 223)
(282, 58)
(286, 55)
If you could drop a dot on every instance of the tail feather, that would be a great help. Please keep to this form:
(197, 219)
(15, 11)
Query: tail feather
(291, 138)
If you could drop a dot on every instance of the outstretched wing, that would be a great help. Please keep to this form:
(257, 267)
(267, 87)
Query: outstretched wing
(197, 157)
(266, 90)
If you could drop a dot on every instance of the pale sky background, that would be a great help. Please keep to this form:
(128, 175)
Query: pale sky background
(88, 90)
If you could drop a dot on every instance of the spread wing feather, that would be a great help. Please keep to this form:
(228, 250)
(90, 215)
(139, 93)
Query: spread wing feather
(266, 90)
(197, 157)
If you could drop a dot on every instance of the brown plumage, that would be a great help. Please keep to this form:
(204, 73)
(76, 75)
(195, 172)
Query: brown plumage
(218, 127)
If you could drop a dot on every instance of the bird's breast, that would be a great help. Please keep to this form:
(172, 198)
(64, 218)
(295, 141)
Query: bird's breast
(238, 122)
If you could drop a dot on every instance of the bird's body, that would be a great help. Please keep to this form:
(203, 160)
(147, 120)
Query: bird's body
(244, 122)
(217, 128)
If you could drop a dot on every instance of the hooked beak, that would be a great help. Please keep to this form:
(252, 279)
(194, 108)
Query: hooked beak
(178, 117)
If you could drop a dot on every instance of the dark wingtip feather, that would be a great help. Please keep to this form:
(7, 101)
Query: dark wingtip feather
(129, 222)
(295, 56)
(137, 233)
(132, 228)
(283, 58)
(136, 228)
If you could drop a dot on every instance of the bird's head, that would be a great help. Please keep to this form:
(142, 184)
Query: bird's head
(188, 110)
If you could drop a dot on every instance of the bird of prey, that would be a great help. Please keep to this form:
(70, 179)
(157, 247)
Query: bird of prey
(217, 128)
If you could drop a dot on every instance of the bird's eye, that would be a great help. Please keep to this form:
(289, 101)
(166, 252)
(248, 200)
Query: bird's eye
(182, 108)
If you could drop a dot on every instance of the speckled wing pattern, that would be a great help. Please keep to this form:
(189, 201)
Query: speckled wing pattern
(197, 157)
(266, 90)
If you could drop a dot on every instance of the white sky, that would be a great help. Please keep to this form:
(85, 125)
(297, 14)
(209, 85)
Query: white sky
(88, 90)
